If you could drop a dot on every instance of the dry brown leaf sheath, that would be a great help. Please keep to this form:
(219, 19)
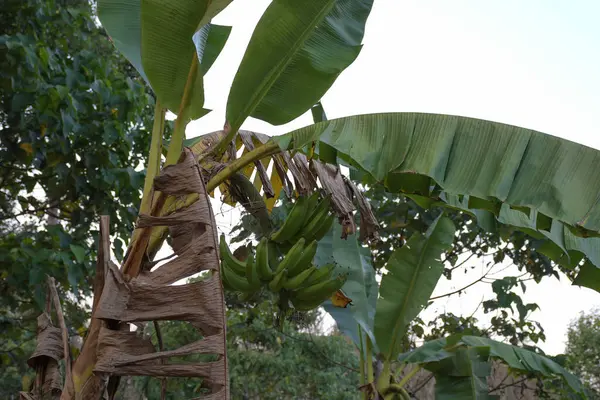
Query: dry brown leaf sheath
(150, 297)
(48, 352)
(333, 182)
(246, 137)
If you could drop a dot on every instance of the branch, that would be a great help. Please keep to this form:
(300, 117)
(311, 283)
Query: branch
(499, 387)
(422, 385)
(462, 263)
(500, 384)
(26, 212)
(463, 288)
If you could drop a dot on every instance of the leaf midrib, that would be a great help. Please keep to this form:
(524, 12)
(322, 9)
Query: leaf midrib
(272, 76)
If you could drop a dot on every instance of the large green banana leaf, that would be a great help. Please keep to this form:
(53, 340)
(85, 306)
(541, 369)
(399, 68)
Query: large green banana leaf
(464, 375)
(296, 52)
(434, 356)
(413, 272)
(161, 38)
(525, 178)
(355, 261)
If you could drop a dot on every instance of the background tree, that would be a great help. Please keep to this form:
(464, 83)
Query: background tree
(74, 118)
(400, 216)
(583, 350)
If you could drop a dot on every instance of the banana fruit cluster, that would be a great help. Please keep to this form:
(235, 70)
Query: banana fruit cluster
(309, 219)
(293, 273)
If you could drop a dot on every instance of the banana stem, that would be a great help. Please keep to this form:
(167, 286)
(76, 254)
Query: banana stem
(140, 238)
(369, 360)
(258, 153)
(151, 170)
(159, 232)
(153, 157)
(363, 378)
(409, 376)
(176, 144)
(383, 382)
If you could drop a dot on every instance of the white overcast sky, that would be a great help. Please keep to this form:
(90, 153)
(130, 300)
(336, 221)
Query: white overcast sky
(529, 63)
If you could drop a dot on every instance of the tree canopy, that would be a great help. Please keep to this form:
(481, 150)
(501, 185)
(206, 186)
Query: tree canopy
(583, 350)
(74, 118)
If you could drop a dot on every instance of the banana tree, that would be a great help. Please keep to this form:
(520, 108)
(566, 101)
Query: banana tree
(503, 176)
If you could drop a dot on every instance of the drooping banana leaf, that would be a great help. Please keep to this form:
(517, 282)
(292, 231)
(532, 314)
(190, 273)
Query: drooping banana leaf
(355, 261)
(360, 286)
(464, 376)
(443, 357)
(297, 50)
(589, 277)
(413, 272)
(538, 182)
(161, 38)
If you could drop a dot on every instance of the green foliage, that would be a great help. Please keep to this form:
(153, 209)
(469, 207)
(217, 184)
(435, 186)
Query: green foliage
(74, 118)
(156, 36)
(499, 173)
(297, 51)
(354, 260)
(464, 376)
(413, 273)
(400, 217)
(462, 361)
(297, 366)
(295, 362)
(265, 362)
(583, 350)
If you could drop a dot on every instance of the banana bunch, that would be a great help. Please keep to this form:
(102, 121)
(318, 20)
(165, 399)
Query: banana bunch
(309, 219)
(294, 277)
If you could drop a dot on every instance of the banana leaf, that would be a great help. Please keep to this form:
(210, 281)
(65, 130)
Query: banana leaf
(297, 50)
(161, 37)
(446, 358)
(589, 277)
(542, 184)
(413, 272)
(464, 376)
(355, 261)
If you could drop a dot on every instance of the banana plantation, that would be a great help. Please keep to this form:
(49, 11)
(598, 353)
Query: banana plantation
(312, 234)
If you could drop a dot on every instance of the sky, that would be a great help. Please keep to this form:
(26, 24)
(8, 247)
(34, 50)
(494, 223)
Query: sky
(533, 64)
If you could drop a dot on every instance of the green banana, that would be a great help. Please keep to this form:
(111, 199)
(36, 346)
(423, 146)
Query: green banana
(252, 273)
(295, 282)
(277, 282)
(306, 305)
(304, 260)
(293, 222)
(316, 220)
(292, 257)
(274, 253)
(312, 201)
(320, 275)
(321, 290)
(265, 273)
(236, 282)
(324, 204)
(228, 258)
(323, 229)
(224, 280)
